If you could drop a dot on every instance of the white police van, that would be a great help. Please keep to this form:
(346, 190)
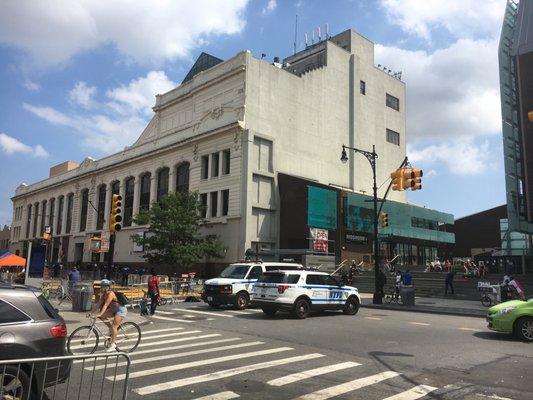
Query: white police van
(235, 283)
(300, 292)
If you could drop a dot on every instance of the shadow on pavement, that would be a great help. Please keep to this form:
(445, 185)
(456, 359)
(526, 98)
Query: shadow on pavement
(496, 336)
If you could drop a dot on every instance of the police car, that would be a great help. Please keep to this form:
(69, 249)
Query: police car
(235, 283)
(300, 292)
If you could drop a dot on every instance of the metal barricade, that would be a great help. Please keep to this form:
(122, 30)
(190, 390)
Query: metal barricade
(81, 377)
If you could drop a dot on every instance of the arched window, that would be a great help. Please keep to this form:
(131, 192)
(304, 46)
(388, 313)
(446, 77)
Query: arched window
(101, 207)
(70, 204)
(144, 200)
(43, 217)
(60, 208)
(83, 209)
(51, 215)
(129, 188)
(35, 218)
(28, 221)
(182, 177)
(162, 183)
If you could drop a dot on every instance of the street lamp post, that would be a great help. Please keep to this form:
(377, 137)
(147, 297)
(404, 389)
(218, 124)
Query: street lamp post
(371, 157)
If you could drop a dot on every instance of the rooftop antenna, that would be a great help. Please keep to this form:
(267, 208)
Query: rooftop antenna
(318, 32)
(313, 38)
(327, 31)
(306, 41)
(295, 33)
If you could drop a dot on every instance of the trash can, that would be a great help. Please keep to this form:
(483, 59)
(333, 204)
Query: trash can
(76, 298)
(408, 295)
(82, 298)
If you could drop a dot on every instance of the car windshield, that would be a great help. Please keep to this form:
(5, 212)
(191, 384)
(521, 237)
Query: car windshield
(235, 271)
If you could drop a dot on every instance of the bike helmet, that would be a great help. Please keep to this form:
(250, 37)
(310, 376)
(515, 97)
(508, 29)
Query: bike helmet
(105, 282)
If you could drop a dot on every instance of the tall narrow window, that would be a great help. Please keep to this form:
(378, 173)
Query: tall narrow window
(70, 203)
(43, 217)
(225, 202)
(144, 199)
(28, 221)
(362, 87)
(182, 178)
(205, 167)
(392, 102)
(52, 215)
(203, 205)
(101, 207)
(214, 204)
(83, 209)
(214, 164)
(35, 218)
(225, 162)
(162, 183)
(60, 209)
(128, 201)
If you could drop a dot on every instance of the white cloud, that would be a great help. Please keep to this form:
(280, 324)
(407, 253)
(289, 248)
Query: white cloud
(49, 114)
(52, 32)
(269, 7)
(82, 94)
(10, 145)
(32, 86)
(461, 18)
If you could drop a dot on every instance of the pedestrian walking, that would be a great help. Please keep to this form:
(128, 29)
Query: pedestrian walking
(448, 282)
(153, 290)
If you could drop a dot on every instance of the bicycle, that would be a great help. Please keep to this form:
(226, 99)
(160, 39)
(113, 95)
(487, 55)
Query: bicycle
(392, 296)
(85, 339)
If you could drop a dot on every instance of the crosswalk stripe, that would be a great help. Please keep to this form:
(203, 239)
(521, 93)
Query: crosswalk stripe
(164, 312)
(285, 380)
(413, 393)
(144, 333)
(219, 396)
(198, 363)
(347, 387)
(179, 355)
(203, 312)
(159, 387)
(184, 339)
(171, 319)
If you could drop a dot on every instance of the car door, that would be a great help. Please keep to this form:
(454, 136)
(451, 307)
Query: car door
(253, 275)
(335, 291)
(318, 290)
(12, 329)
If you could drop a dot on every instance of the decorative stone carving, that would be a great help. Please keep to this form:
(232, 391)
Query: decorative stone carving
(236, 140)
(217, 112)
(195, 152)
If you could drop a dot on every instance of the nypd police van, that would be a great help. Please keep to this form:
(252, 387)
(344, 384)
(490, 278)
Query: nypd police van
(235, 283)
(300, 292)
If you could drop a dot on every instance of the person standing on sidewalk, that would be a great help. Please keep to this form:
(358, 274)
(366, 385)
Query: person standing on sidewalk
(448, 282)
(153, 290)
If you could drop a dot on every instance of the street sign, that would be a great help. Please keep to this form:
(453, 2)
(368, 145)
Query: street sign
(104, 242)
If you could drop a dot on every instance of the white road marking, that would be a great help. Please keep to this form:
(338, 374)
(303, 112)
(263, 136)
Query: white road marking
(347, 387)
(220, 396)
(221, 374)
(204, 312)
(468, 329)
(171, 319)
(247, 311)
(311, 373)
(179, 339)
(179, 355)
(144, 333)
(420, 323)
(198, 363)
(374, 318)
(413, 394)
(164, 312)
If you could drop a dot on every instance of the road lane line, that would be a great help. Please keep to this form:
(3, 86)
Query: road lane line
(468, 329)
(209, 361)
(310, 373)
(221, 374)
(164, 312)
(219, 396)
(374, 318)
(179, 355)
(347, 387)
(170, 319)
(144, 333)
(204, 312)
(420, 323)
(413, 393)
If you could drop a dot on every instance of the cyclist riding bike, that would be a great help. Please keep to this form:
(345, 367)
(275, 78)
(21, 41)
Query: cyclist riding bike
(110, 307)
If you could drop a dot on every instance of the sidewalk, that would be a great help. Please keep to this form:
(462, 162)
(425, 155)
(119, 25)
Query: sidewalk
(449, 306)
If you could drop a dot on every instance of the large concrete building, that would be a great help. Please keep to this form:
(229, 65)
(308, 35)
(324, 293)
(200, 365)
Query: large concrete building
(227, 132)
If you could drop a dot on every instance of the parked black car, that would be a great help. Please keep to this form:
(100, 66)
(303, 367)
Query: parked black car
(30, 328)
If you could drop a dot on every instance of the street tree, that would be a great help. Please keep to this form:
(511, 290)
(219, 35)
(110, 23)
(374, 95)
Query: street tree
(173, 236)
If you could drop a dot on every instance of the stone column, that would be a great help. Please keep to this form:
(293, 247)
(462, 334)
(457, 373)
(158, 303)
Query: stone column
(56, 211)
(47, 213)
(172, 179)
(136, 197)
(153, 187)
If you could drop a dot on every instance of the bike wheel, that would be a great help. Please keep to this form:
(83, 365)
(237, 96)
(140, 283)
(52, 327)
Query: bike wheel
(128, 337)
(162, 301)
(388, 298)
(486, 301)
(83, 340)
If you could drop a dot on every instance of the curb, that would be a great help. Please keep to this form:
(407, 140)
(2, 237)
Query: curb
(458, 312)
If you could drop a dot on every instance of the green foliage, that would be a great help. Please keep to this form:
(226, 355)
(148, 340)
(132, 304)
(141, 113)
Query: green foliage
(173, 236)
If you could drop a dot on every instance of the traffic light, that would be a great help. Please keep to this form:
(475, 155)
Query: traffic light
(397, 179)
(384, 218)
(115, 218)
(416, 179)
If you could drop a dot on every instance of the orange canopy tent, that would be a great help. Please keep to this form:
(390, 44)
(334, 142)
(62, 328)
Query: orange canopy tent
(12, 260)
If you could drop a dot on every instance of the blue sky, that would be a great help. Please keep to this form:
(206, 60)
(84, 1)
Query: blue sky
(78, 78)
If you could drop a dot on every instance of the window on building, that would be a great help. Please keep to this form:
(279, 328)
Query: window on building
(362, 87)
(225, 162)
(43, 217)
(101, 207)
(28, 221)
(162, 183)
(83, 209)
(182, 177)
(70, 204)
(144, 200)
(52, 215)
(225, 202)
(392, 102)
(205, 167)
(35, 218)
(214, 204)
(60, 208)
(203, 205)
(427, 224)
(129, 189)
(393, 137)
(215, 158)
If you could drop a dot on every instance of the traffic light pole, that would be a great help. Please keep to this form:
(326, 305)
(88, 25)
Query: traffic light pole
(403, 164)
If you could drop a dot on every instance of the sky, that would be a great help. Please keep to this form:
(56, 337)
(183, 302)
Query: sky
(78, 78)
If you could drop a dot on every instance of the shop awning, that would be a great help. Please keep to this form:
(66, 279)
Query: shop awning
(12, 260)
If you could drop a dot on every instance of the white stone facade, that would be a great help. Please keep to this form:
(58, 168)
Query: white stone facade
(269, 119)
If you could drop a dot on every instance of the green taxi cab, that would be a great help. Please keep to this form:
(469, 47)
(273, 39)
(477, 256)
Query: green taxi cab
(515, 316)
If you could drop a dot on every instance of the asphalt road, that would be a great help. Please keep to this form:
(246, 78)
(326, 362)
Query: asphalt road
(193, 352)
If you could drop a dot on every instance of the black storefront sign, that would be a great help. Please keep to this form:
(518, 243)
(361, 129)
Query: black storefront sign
(359, 239)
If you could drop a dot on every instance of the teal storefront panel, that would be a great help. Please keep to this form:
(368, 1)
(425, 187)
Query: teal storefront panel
(321, 208)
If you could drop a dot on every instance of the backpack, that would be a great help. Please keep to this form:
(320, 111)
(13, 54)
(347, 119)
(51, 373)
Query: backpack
(122, 299)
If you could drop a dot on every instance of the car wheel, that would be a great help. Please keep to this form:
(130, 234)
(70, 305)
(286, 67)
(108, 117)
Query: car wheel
(15, 383)
(269, 311)
(301, 308)
(351, 307)
(241, 302)
(524, 329)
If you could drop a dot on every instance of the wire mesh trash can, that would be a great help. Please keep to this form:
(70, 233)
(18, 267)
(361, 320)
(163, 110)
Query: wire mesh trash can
(407, 294)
